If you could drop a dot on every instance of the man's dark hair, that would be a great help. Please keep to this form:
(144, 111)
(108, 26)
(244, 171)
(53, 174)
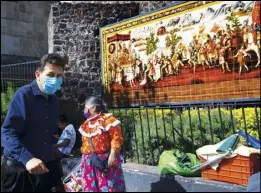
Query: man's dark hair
(53, 58)
(63, 119)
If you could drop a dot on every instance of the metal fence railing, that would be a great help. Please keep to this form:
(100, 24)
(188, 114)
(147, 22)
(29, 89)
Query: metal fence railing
(14, 76)
(149, 131)
(17, 74)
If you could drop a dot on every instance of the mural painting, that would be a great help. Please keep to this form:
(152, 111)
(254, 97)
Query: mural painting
(193, 43)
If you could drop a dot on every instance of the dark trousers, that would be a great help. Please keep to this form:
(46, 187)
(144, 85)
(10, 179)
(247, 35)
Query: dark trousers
(15, 178)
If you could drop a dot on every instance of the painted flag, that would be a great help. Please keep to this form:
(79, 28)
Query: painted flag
(215, 28)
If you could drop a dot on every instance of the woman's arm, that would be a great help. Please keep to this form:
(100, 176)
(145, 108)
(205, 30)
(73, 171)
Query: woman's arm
(116, 142)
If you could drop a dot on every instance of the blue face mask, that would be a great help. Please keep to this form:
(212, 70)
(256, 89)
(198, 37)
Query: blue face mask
(51, 85)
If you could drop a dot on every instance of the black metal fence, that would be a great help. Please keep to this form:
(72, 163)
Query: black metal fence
(17, 74)
(14, 76)
(149, 131)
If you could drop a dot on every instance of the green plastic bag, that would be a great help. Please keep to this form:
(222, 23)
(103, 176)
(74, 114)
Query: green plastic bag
(177, 162)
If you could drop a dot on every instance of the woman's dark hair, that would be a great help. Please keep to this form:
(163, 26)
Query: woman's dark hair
(53, 58)
(63, 119)
(97, 102)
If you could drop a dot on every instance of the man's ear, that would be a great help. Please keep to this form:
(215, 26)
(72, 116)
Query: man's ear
(37, 75)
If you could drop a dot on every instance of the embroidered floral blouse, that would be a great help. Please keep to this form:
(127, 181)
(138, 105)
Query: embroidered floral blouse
(105, 132)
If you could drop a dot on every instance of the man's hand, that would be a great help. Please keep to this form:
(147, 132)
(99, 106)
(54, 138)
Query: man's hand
(65, 143)
(36, 166)
(56, 136)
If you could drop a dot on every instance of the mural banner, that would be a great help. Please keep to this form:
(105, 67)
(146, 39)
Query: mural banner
(190, 51)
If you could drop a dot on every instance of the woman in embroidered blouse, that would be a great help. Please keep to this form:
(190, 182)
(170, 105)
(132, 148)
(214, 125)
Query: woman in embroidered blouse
(107, 140)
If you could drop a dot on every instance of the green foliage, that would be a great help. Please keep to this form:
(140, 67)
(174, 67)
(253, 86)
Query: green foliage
(151, 43)
(233, 18)
(252, 119)
(171, 41)
(164, 129)
(6, 98)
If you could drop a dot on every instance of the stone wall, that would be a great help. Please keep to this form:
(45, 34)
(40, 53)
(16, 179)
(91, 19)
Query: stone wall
(24, 30)
(74, 30)
(148, 6)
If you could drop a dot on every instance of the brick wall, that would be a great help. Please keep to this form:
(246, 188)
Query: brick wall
(235, 89)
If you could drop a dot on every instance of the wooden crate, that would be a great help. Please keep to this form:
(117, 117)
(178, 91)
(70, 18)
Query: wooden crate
(236, 170)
